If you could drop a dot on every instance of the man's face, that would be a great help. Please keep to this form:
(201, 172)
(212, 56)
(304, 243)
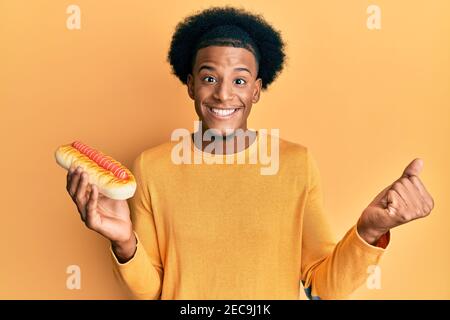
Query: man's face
(223, 85)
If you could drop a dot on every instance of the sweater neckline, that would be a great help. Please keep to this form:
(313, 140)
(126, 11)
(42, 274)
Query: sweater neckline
(250, 150)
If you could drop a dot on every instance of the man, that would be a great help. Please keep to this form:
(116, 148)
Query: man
(224, 230)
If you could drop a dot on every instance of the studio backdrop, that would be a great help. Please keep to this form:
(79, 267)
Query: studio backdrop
(365, 87)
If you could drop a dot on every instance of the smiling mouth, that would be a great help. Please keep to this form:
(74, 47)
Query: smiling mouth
(223, 113)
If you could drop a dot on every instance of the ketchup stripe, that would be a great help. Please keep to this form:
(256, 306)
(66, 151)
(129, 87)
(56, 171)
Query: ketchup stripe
(89, 153)
(102, 160)
(109, 165)
(96, 158)
(116, 169)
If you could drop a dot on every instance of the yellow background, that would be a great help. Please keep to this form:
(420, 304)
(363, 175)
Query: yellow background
(366, 102)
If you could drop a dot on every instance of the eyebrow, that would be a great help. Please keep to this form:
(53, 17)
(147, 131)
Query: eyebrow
(207, 67)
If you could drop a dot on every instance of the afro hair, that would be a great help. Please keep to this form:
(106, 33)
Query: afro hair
(227, 26)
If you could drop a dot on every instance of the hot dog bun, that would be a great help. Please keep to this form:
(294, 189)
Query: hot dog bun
(118, 185)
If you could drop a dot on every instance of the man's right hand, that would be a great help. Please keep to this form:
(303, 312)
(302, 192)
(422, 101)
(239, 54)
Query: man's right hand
(109, 217)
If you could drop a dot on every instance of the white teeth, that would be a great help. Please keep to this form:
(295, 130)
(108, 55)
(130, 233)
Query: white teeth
(222, 112)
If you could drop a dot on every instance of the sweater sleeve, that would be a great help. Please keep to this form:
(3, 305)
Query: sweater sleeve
(331, 270)
(143, 273)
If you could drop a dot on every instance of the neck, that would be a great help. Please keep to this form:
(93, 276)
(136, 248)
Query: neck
(224, 144)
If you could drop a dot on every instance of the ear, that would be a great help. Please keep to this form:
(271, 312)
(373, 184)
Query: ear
(190, 86)
(257, 90)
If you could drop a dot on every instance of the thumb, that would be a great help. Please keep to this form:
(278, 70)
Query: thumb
(414, 168)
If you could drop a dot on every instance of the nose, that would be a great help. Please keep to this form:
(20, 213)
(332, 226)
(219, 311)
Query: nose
(224, 91)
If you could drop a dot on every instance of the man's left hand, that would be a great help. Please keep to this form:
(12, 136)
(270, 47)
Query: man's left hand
(404, 200)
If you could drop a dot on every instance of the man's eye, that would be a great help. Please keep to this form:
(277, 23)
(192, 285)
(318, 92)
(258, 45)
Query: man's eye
(240, 81)
(209, 79)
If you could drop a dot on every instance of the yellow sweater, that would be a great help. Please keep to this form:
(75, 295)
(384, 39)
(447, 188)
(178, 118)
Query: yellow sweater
(224, 231)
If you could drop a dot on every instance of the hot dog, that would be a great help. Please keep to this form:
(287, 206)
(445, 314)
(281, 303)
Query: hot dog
(112, 178)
